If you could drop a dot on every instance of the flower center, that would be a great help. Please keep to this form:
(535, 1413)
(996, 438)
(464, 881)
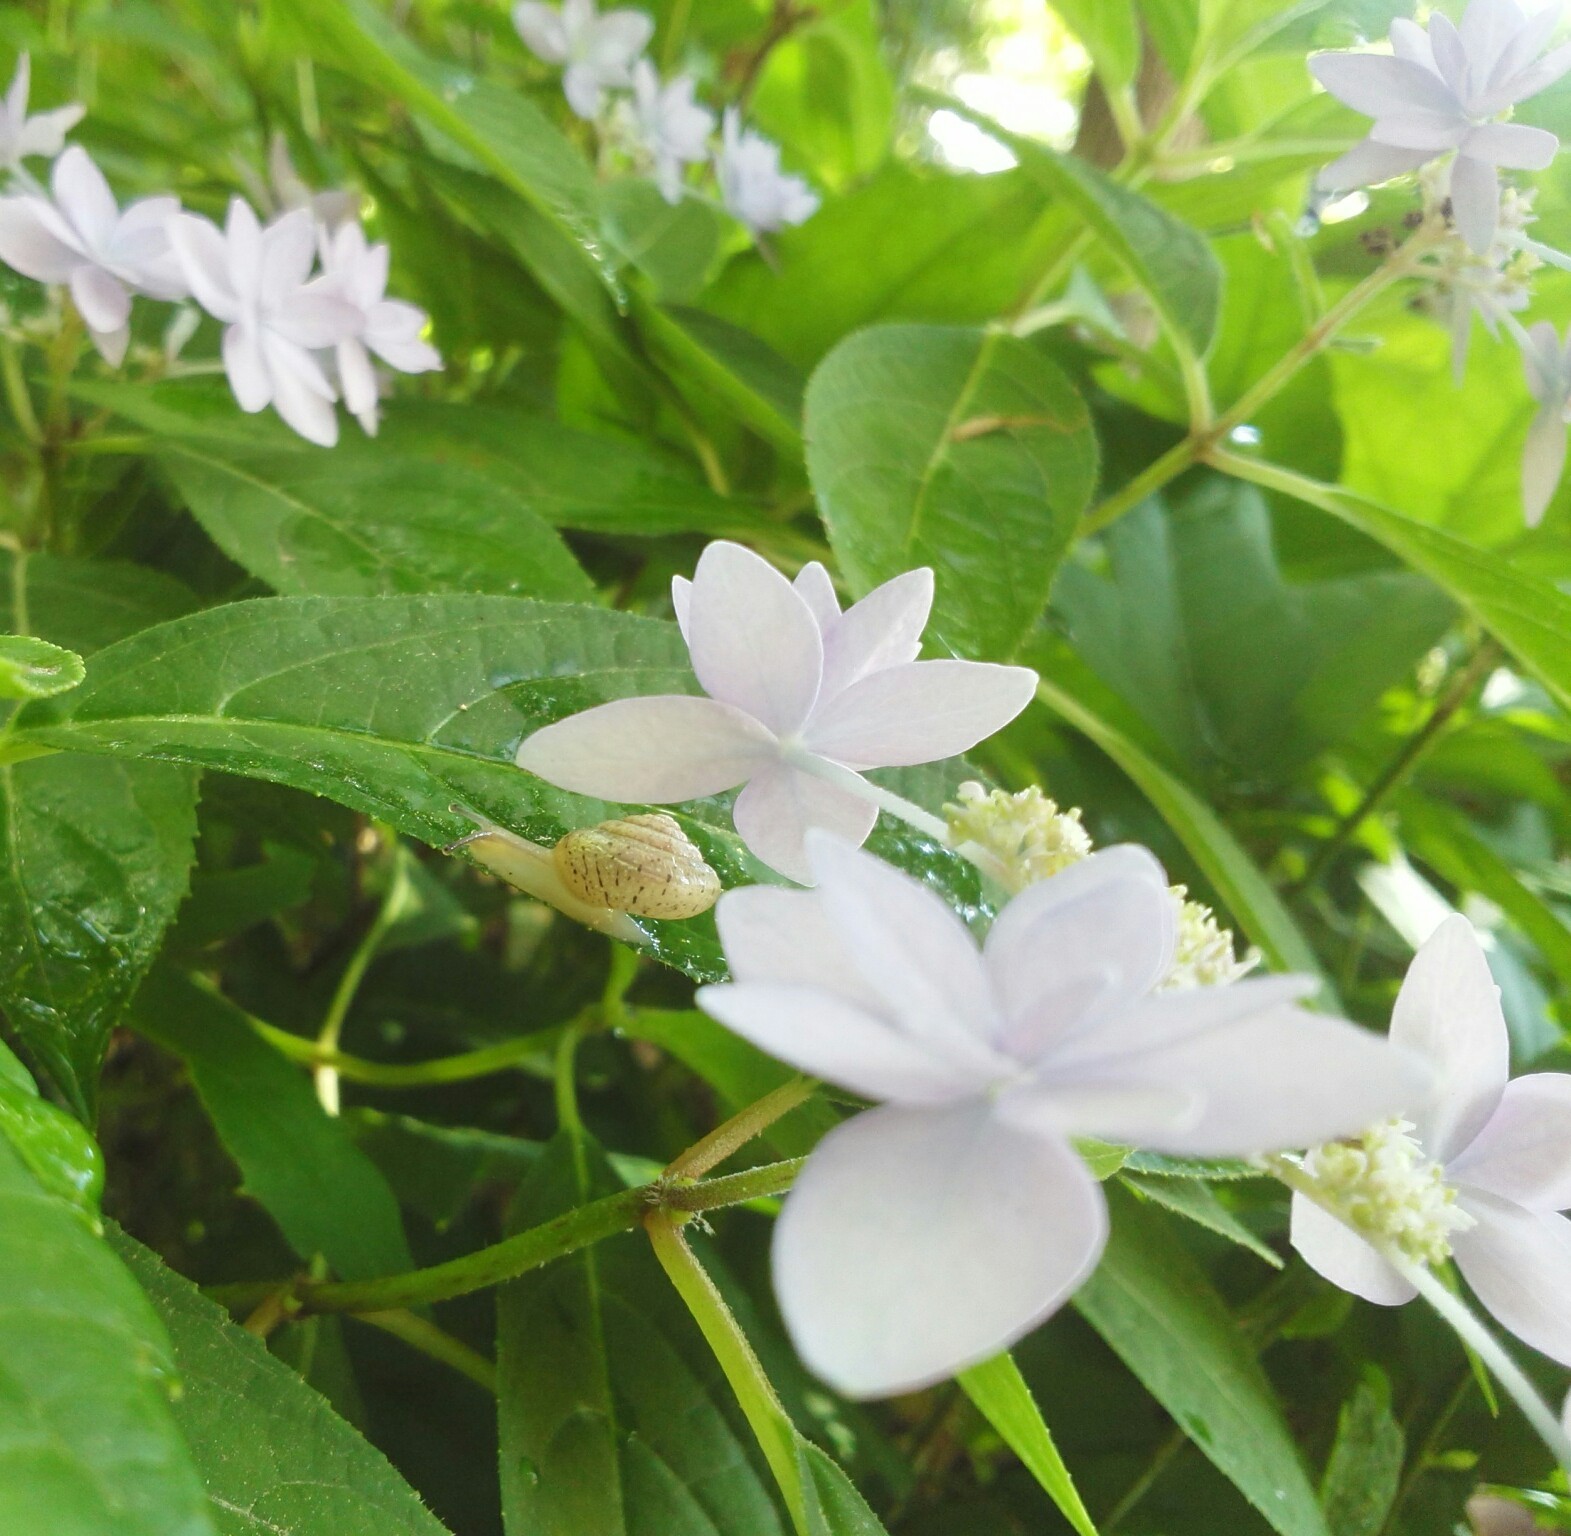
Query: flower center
(1384, 1186)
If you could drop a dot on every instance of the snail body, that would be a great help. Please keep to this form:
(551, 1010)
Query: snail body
(643, 865)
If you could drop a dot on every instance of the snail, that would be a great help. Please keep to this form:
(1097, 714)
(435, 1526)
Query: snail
(602, 876)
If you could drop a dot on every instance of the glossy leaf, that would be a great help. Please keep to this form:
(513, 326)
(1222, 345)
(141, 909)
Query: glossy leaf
(964, 450)
(34, 669)
(54, 1147)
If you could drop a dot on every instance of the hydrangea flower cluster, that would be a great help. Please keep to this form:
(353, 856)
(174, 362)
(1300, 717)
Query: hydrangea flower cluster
(1440, 101)
(659, 125)
(298, 336)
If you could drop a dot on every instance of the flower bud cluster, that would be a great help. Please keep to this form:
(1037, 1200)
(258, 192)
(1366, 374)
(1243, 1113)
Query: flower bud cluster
(1384, 1187)
(1024, 837)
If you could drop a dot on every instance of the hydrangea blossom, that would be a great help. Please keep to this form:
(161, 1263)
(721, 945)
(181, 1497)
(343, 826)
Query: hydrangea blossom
(596, 51)
(79, 236)
(1487, 1172)
(257, 281)
(356, 272)
(1441, 91)
(927, 1234)
(801, 697)
(1546, 359)
(756, 192)
(22, 136)
(668, 128)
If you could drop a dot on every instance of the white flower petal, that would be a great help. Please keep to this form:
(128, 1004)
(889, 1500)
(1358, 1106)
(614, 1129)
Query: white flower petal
(28, 244)
(112, 345)
(540, 26)
(656, 750)
(1527, 82)
(776, 807)
(248, 375)
(619, 37)
(818, 592)
(1448, 1012)
(1514, 145)
(1368, 163)
(918, 712)
(356, 377)
(204, 258)
(1140, 1116)
(1524, 1152)
(824, 1034)
(1518, 1262)
(1449, 54)
(1275, 1080)
(100, 298)
(582, 87)
(681, 602)
(298, 395)
(1343, 1257)
(1414, 128)
(1543, 463)
(83, 196)
(771, 934)
(243, 242)
(288, 253)
(1096, 935)
(754, 642)
(883, 630)
(314, 317)
(45, 134)
(1487, 29)
(910, 948)
(1524, 47)
(1376, 83)
(917, 1243)
(1475, 202)
(1410, 41)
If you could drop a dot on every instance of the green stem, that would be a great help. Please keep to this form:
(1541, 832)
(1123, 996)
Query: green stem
(518, 1255)
(460, 1068)
(1181, 456)
(741, 1128)
(772, 1426)
(17, 394)
(430, 1340)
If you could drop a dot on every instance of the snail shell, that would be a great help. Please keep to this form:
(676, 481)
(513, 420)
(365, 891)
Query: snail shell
(644, 865)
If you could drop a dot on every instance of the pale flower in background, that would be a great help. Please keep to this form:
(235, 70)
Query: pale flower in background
(42, 134)
(669, 129)
(1546, 360)
(255, 281)
(1439, 92)
(1480, 1172)
(927, 1234)
(80, 236)
(756, 192)
(331, 208)
(356, 272)
(596, 51)
(801, 698)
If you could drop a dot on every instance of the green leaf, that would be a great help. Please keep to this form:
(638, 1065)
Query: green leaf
(298, 1161)
(1111, 34)
(832, 1504)
(1196, 1201)
(1365, 1470)
(1155, 1307)
(53, 1146)
(34, 669)
(88, 1445)
(276, 1459)
(1248, 895)
(614, 1417)
(965, 450)
(1001, 1394)
(1165, 256)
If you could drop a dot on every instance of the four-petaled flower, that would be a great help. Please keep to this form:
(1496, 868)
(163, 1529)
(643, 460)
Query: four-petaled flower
(42, 134)
(1547, 362)
(357, 273)
(756, 192)
(927, 1234)
(671, 129)
(1440, 91)
(81, 237)
(800, 698)
(1503, 1148)
(255, 281)
(597, 51)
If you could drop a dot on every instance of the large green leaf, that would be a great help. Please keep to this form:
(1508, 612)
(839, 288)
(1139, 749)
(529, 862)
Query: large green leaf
(1155, 1307)
(326, 1195)
(275, 1458)
(96, 853)
(88, 1445)
(614, 1417)
(965, 450)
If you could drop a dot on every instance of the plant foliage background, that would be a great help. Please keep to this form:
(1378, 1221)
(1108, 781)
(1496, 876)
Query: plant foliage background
(1335, 704)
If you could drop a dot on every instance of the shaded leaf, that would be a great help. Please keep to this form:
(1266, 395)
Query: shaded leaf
(34, 669)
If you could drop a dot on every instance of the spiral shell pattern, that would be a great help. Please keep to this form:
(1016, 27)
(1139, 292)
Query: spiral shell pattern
(643, 865)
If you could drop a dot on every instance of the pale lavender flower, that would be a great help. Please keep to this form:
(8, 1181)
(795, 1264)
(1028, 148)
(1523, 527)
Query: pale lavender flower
(801, 698)
(1499, 1160)
(596, 51)
(669, 129)
(1441, 91)
(356, 272)
(257, 281)
(81, 237)
(1546, 360)
(42, 134)
(927, 1234)
(331, 208)
(756, 192)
